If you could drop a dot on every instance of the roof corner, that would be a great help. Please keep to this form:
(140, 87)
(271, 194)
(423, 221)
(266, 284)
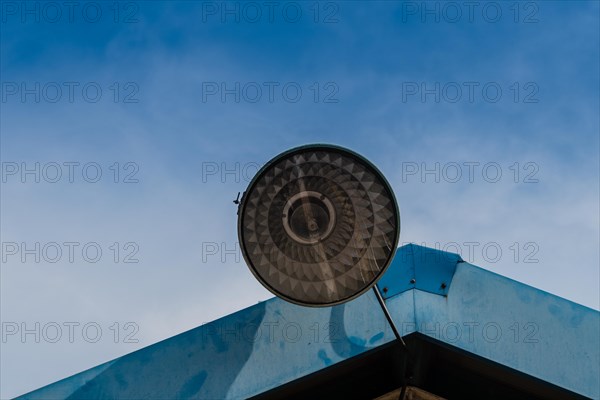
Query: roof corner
(419, 267)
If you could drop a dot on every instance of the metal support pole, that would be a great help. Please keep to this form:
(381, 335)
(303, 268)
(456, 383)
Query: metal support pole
(387, 314)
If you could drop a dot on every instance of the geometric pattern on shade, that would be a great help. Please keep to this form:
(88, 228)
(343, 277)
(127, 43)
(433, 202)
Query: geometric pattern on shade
(361, 238)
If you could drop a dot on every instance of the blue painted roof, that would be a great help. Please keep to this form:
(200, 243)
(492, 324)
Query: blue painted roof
(427, 291)
(418, 267)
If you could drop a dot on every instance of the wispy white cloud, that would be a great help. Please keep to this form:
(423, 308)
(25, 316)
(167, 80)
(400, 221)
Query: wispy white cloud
(171, 132)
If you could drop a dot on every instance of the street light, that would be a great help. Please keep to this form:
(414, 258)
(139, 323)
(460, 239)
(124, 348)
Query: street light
(318, 225)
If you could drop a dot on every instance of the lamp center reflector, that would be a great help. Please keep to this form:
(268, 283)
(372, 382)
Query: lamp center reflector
(308, 217)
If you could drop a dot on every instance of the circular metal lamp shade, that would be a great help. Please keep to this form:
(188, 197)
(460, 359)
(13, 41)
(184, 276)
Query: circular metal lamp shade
(318, 225)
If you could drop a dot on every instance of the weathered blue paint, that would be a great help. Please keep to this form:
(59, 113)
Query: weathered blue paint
(237, 356)
(418, 267)
(510, 323)
(516, 325)
(275, 342)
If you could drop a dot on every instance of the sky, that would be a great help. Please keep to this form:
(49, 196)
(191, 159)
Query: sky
(127, 129)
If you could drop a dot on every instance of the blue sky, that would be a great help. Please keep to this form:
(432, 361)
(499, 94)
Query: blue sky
(363, 68)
